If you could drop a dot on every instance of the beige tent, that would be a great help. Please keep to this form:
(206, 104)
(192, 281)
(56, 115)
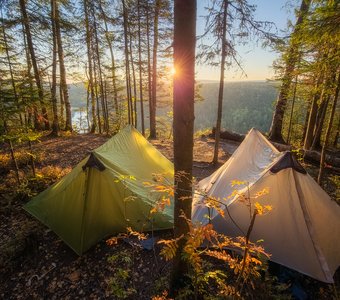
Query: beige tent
(302, 230)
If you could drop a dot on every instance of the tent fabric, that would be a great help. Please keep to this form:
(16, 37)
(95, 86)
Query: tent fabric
(248, 163)
(106, 192)
(301, 230)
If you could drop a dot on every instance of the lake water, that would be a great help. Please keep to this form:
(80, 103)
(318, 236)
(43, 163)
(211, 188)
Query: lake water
(79, 120)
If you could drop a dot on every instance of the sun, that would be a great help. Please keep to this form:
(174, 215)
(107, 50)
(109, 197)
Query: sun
(173, 70)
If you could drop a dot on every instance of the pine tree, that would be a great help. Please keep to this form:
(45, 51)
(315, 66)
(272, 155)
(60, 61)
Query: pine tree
(26, 23)
(292, 58)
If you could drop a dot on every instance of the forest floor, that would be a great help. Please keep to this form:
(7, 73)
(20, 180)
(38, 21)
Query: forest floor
(36, 264)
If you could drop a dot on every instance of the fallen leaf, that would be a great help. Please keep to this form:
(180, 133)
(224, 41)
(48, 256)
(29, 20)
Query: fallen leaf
(74, 276)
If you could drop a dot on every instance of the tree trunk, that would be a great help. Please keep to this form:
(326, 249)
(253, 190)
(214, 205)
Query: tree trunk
(100, 75)
(55, 124)
(113, 64)
(183, 106)
(106, 104)
(221, 87)
(63, 83)
(127, 65)
(149, 57)
(153, 133)
(328, 132)
(275, 133)
(16, 97)
(97, 97)
(312, 118)
(89, 59)
(62, 106)
(335, 144)
(34, 62)
(134, 99)
(87, 107)
(291, 112)
(140, 69)
(14, 161)
(305, 124)
(228, 135)
(320, 118)
(324, 100)
(30, 80)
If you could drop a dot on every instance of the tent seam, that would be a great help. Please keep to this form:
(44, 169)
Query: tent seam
(321, 259)
(82, 232)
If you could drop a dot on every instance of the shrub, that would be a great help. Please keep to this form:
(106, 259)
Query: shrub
(120, 283)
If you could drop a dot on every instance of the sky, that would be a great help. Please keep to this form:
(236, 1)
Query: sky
(256, 61)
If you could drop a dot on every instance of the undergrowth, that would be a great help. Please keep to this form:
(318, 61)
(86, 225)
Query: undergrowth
(121, 283)
(29, 186)
(234, 275)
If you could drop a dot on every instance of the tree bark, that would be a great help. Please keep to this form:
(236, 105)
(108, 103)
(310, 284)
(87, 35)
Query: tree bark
(127, 65)
(97, 97)
(140, 69)
(275, 133)
(328, 132)
(324, 100)
(89, 59)
(134, 98)
(335, 144)
(153, 133)
(30, 80)
(291, 112)
(63, 83)
(183, 125)
(221, 87)
(16, 97)
(26, 23)
(149, 57)
(312, 118)
(319, 124)
(305, 124)
(113, 63)
(14, 161)
(87, 108)
(55, 124)
(100, 75)
(228, 135)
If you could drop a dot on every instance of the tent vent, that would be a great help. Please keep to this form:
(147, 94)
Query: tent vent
(94, 162)
(288, 161)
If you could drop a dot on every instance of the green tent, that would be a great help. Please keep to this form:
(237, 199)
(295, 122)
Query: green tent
(107, 192)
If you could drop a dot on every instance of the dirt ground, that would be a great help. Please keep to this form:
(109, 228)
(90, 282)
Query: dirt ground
(36, 264)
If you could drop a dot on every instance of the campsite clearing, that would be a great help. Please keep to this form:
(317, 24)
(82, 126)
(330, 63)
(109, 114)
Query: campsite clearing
(35, 263)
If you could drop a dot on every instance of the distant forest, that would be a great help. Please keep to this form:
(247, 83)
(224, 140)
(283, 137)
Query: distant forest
(246, 104)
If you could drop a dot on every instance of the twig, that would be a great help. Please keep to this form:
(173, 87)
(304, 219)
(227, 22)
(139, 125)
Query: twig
(246, 249)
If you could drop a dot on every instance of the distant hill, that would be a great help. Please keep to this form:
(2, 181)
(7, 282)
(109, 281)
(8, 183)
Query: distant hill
(246, 104)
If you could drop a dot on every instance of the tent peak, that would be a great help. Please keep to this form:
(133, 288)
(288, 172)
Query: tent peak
(94, 162)
(286, 161)
(253, 130)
